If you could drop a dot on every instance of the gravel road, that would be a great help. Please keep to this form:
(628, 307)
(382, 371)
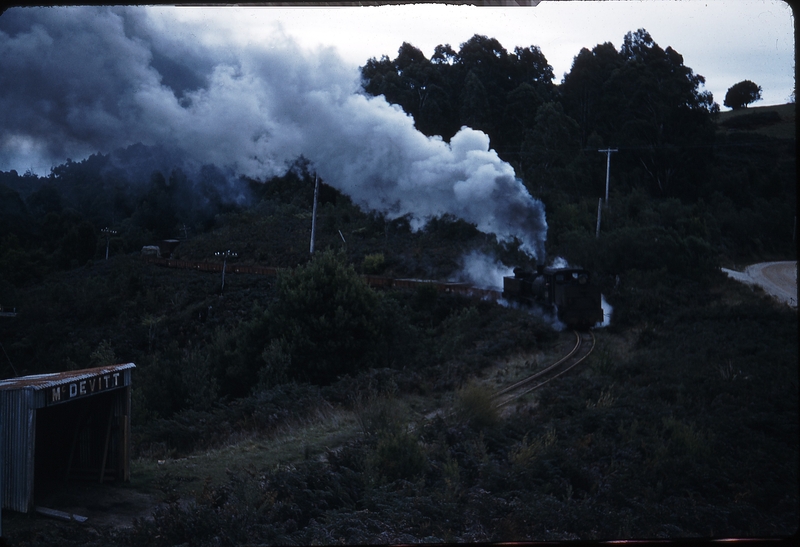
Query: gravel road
(778, 279)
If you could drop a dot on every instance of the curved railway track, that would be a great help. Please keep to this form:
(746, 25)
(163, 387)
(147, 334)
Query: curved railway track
(584, 345)
(584, 340)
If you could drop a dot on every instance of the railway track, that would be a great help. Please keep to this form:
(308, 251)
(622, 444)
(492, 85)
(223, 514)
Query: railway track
(584, 340)
(584, 344)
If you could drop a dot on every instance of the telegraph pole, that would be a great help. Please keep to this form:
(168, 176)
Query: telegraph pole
(108, 232)
(225, 255)
(597, 232)
(314, 212)
(608, 167)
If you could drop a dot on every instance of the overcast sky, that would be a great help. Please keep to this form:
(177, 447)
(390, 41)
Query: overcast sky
(234, 85)
(724, 40)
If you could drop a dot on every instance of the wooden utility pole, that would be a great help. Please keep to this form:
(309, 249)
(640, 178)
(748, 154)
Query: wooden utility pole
(225, 255)
(608, 167)
(599, 204)
(108, 232)
(314, 212)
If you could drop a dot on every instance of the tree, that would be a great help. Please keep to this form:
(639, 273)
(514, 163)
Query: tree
(470, 87)
(326, 320)
(585, 91)
(654, 107)
(418, 85)
(742, 94)
(554, 141)
(474, 103)
(521, 106)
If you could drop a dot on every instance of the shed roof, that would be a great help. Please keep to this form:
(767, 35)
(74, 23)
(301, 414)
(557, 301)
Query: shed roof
(45, 381)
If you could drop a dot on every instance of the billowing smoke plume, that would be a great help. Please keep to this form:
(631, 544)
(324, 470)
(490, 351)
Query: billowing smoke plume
(75, 81)
(483, 271)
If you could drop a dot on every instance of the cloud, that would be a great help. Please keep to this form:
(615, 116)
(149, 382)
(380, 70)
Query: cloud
(75, 81)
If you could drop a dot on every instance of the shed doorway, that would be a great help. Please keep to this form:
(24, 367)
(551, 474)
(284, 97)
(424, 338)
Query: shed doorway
(76, 441)
(64, 429)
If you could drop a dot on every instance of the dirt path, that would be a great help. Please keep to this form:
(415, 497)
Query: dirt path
(779, 279)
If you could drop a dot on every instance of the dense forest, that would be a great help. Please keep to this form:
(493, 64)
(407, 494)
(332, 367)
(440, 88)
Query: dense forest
(652, 440)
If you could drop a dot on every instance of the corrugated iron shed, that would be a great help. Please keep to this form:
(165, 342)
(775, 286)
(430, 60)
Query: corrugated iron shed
(22, 398)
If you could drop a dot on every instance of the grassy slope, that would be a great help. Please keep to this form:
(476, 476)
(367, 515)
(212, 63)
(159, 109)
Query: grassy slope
(687, 427)
(684, 425)
(783, 129)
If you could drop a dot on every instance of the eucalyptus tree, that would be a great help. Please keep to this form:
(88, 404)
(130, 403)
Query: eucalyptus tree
(644, 100)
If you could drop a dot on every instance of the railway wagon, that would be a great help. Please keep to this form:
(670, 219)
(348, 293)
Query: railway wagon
(567, 290)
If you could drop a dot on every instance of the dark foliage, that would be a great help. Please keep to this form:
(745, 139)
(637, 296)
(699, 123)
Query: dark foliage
(741, 94)
(683, 424)
(752, 121)
(327, 319)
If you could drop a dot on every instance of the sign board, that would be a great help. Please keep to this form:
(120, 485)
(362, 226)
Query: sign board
(84, 387)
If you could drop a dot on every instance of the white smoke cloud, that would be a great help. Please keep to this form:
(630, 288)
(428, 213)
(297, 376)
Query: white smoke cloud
(483, 271)
(75, 81)
(560, 262)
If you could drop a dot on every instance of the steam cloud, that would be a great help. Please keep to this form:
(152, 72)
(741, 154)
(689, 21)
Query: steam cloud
(76, 81)
(483, 271)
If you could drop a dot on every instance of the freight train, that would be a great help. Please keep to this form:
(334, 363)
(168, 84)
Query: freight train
(568, 291)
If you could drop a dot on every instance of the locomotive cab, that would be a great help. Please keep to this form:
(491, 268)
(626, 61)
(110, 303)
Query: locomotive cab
(568, 290)
(577, 300)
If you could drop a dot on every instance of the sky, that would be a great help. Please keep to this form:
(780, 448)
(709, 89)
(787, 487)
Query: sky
(250, 90)
(726, 41)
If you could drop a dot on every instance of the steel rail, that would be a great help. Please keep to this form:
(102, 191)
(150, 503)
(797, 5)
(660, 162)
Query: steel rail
(577, 355)
(533, 377)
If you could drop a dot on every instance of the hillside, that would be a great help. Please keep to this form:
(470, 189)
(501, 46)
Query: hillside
(771, 121)
(311, 408)
(660, 434)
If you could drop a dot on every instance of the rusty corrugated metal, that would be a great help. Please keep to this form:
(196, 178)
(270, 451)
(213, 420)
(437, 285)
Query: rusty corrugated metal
(44, 381)
(19, 400)
(16, 458)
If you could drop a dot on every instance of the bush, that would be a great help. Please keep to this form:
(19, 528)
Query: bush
(475, 406)
(398, 455)
(381, 416)
(374, 263)
(328, 317)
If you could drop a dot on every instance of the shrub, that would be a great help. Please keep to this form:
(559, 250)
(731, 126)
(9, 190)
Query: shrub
(381, 416)
(277, 363)
(374, 263)
(398, 455)
(328, 317)
(529, 450)
(474, 405)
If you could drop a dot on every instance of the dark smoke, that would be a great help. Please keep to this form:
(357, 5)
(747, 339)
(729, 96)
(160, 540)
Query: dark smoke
(75, 81)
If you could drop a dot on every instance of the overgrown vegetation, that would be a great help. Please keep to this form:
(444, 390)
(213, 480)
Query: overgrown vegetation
(684, 423)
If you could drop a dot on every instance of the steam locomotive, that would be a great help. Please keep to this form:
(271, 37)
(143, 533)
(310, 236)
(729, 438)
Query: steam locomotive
(567, 290)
